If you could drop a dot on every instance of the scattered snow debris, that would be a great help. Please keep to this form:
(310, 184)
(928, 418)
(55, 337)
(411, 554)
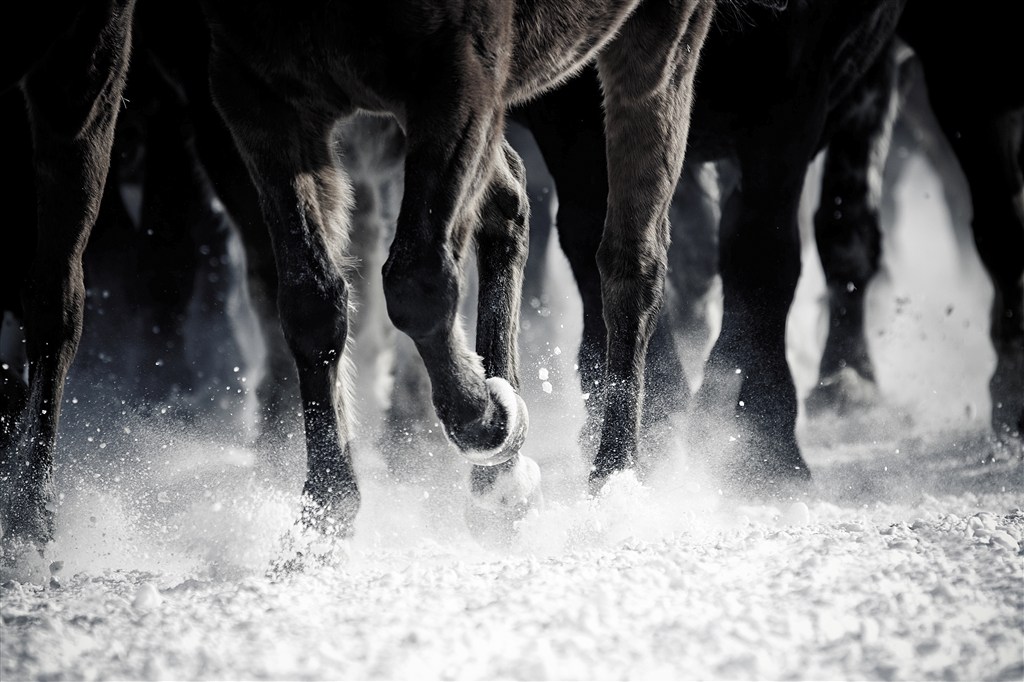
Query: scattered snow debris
(147, 597)
(546, 387)
(163, 497)
(1004, 540)
(558, 351)
(543, 373)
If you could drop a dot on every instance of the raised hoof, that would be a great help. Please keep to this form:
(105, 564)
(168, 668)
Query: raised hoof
(844, 392)
(494, 509)
(516, 422)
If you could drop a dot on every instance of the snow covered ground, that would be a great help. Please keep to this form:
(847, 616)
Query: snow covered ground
(903, 561)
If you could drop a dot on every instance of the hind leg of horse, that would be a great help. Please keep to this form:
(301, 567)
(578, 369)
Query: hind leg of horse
(458, 132)
(647, 73)
(305, 199)
(173, 204)
(568, 125)
(848, 236)
(73, 97)
(990, 154)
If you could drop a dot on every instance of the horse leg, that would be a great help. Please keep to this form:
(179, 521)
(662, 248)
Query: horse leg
(990, 152)
(18, 196)
(568, 125)
(647, 73)
(278, 411)
(73, 97)
(305, 200)
(848, 235)
(511, 488)
(691, 288)
(745, 411)
(452, 142)
(173, 203)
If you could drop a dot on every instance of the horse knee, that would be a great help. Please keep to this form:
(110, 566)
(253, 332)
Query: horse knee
(422, 292)
(315, 321)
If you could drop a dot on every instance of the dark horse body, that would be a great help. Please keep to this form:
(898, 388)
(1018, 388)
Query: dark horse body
(283, 79)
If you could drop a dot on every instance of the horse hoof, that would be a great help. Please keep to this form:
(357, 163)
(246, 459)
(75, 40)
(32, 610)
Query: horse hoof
(517, 423)
(492, 513)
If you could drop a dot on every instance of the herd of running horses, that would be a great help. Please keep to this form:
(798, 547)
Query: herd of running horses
(302, 116)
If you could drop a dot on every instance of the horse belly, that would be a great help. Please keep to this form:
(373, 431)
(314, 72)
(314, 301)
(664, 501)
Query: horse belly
(553, 40)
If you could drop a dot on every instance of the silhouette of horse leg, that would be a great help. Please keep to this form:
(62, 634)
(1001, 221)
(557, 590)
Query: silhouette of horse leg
(989, 152)
(305, 198)
(568, 126)
(18, 196)
(73, 96)
(848, 235)
(985, 127)
(746, 408)
(647, 74)
(178, 37)
(512, 487)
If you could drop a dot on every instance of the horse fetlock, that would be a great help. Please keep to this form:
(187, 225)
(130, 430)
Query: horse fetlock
(500, 433)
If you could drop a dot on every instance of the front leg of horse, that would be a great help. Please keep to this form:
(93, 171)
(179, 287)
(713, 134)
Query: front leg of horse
(72, 100)
(990, 155)
(647, 74)
(482, 414)
(475, 395)
(502, 494)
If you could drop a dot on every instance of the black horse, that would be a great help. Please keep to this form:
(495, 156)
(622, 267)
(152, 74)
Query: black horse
(282, 79)
(774, 87)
